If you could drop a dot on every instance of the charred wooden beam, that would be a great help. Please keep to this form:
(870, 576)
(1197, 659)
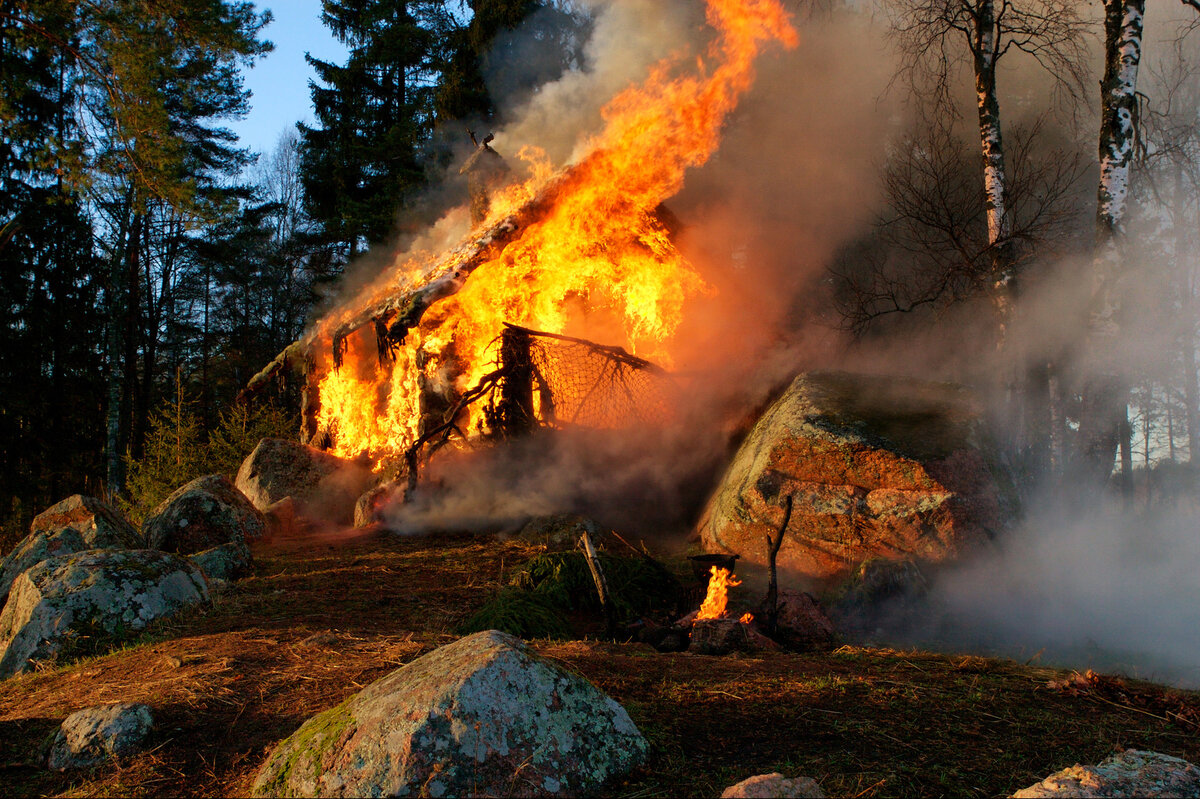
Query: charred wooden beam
(384, 343)
(514, 412)
(310, 402)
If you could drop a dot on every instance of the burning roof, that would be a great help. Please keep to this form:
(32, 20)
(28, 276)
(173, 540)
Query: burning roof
(574, 250)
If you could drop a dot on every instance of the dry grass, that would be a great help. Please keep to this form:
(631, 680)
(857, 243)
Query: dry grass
(323, 618)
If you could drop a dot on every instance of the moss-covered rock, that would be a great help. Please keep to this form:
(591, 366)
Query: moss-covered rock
(479, 717)
(878, 468)
(73, 525)
(323, 487)
(90, 601)
(205, 513)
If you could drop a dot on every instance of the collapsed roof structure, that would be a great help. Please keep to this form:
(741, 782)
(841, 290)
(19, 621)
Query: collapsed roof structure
(394, 362)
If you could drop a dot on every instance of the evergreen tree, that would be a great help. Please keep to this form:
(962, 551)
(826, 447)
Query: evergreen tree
(374, 113)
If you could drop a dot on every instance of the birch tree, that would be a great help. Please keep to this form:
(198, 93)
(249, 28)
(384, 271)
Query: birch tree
(937, 36)
(1103, 420)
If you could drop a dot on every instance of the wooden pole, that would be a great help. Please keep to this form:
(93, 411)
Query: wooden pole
(773, 577)
(593, 561)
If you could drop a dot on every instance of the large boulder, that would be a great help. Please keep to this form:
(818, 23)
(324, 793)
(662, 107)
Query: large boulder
(90, 736)
(323, 486)
(878, 468)
(479, 717)
(205, 513)
(88, 601)
(1131, 773)
(73, 525)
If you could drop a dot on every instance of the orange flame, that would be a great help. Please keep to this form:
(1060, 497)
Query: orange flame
(717, 597)
(598, 263)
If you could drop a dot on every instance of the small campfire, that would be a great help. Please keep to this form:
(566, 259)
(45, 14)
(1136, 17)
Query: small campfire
(714, 631)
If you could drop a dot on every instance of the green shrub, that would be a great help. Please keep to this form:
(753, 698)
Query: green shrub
(636, 586)
(524, 614)
(177, 450)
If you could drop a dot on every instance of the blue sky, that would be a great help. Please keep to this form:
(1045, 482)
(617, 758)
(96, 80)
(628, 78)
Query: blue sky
(279, 82)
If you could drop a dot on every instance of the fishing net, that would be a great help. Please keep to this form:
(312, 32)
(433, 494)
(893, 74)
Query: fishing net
(578, 382)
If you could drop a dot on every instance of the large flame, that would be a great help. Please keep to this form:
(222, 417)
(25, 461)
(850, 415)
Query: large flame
(717, 598)
(598, 261)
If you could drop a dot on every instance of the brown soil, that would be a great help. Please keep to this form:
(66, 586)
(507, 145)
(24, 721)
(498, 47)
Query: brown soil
(325, 616)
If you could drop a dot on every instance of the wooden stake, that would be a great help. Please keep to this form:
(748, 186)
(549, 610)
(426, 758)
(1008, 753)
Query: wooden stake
(773, 581)
(593, 561)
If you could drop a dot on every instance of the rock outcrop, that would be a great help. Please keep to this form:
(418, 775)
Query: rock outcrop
(90, 736)
(205, 513)
(88, 601)
(878, 468)
(774, 786)
(1132, 773)
(76, 524)
(479, 717)
(323, 486)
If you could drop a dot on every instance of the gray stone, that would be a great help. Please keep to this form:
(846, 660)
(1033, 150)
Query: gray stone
(373, 503)
(95, 734)
(88, 601)
(1132, 773)
(205, 513)
(774, 786)
(73, 525)
(800, 624)
(324, 487)
(226, 562)
(479, 717)
(878, 468)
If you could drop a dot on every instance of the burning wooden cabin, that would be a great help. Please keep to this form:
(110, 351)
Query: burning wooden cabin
(552, 261)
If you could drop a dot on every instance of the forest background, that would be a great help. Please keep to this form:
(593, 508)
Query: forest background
(149, 265)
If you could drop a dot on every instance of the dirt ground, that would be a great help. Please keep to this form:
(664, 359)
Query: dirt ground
(324, 616)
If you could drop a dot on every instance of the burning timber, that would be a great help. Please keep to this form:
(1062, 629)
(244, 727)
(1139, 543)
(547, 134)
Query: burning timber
(398, 310)
(591, 239)
(531, 385)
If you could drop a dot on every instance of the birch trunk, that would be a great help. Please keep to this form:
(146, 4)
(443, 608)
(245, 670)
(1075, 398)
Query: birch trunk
(1104, 409)
(995, 177)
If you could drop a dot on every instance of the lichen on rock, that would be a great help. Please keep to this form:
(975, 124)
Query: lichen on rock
(76, 524)
(877, 467)
(86, 602)
(481, 716)
(95, 734)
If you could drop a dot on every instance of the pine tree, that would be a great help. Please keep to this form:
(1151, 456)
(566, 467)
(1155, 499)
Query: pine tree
(374, 112)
